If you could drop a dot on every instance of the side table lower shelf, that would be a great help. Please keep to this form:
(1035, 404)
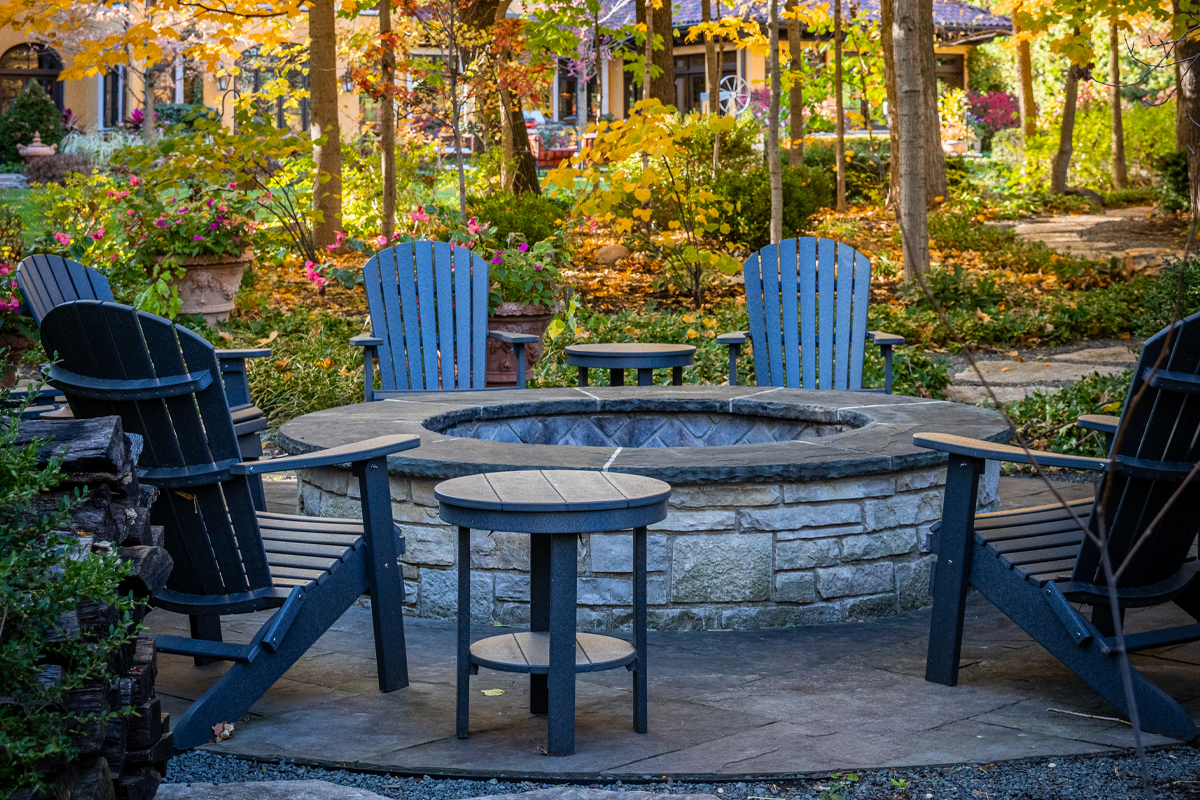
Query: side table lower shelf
(529, 651)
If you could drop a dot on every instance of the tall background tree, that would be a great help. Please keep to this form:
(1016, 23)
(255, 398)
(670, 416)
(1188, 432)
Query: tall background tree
(325, 128)
(774, 168)
(909, 117)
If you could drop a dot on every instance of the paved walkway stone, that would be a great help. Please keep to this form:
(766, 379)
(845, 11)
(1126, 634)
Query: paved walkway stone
(1015, 378)
(1136, 236)
(264, 790)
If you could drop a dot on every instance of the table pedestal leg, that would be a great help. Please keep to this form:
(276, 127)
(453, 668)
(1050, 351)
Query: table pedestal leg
(645, 377)
(677, 376)
(539, 612)
(639, 629)
(563, 594)
(583, 376)
(616, 377)
(463, 714)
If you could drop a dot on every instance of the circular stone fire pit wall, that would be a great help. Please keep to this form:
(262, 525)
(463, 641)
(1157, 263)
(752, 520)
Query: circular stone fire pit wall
(789, 507)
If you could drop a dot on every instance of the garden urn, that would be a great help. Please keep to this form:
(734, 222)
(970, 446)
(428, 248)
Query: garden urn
(36, 148)
(516, 318)
(210, 283)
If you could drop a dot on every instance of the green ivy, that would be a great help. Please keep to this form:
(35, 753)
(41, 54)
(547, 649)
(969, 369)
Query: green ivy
(1047, 418)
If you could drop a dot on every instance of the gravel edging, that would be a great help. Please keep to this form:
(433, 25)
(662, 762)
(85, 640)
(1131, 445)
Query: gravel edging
(1175, 771)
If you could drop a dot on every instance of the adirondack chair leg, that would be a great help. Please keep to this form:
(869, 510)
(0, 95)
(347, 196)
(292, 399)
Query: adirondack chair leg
(886, 349)
(1103, 621)
(1025, 604)
(1189, 600)
(734, 351)
(209, 629)
(519, 355)
(383, 574)
(950, 584)
(369, 354)
(244, 683)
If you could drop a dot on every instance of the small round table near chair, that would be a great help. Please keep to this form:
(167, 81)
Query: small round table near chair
(620, 356)
(553, 507)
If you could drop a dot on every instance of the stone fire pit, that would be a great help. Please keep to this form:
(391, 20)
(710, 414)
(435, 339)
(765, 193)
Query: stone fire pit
(790, 507)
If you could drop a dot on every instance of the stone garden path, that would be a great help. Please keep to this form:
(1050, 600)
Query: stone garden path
(1016, 374)
(1136, 236)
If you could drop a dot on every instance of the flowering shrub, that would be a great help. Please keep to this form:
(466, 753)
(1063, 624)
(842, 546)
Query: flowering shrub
(11, 247)
(952, 110)
(526, 274)
(185, 221)
(995, 111)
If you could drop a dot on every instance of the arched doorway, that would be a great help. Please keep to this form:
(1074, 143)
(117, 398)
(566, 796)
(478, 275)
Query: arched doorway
(30, 62)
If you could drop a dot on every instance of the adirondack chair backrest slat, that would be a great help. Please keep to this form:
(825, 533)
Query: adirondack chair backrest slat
(807, 301)
(212, 531)
(46, 281)
(428, 303)
(1158, 426)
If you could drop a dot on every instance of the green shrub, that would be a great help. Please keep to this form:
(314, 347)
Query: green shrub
(1175, 193)
(1158, 304)
(186, 114)
(32, 111)
(43, 576)
(867, 165)
(534, 216)
(1047, 419)
(805, 191)
(736, 151)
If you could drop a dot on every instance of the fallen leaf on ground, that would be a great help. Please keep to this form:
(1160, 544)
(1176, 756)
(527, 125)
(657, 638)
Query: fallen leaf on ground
(491, 692)
(223, 731)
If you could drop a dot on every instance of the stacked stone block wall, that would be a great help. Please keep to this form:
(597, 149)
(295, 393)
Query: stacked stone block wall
(756, 555)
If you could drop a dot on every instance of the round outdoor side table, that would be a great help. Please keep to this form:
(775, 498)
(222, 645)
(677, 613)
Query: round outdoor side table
(620, 356)
(554, 506)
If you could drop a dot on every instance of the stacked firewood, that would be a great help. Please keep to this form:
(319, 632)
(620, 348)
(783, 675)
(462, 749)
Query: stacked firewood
(125, 757)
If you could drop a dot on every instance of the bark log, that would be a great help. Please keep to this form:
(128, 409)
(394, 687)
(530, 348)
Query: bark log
(1025, 72)
(387, 118)
(935, 159)
(323, 100)
(1061, 165)
(773, 165)
(840, 121)
(908, 116)
(796, 94)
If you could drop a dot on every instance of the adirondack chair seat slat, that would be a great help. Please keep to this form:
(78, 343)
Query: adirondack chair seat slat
(807, 302)
(248, 419)
(228, 560)
(1034, 564)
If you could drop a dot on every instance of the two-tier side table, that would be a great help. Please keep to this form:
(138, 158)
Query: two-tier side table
(554, 507)
(620, 356)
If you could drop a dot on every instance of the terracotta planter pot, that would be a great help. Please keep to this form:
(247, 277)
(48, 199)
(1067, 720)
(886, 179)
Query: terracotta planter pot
(210, 284)
(15, 346)
(517, 318)
(954, 146)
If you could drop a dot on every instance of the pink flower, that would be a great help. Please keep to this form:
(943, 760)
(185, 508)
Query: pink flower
(197, 238)
(473, 225)
(419, 215)
(524, 246)
(98, 234)
(134, 180)
(537, 266)
(381, 240)
(129, 212)
(232, 185)
(63, 239)
(310, 272)
(339, 237)
(183, 210)
(4, 269)
(498, 260)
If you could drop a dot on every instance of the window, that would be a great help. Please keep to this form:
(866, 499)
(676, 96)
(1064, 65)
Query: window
(112, 98)
(689, 79)
(568, 85)
(260, 74)
(26, 63)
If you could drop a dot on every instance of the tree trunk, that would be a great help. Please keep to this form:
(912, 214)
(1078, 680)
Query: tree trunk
(1025, 73)
(325, 127)
(519, 172)
(1120, 174)
(839, 111)
(1187, 52)
(648, 55)
(796, 94)
(387, 119)
(149, 129)
(887, 17)
(712, 70)
(935, 159)
(661, 86)
(773, 166)
(1066, 133)
(909, 116)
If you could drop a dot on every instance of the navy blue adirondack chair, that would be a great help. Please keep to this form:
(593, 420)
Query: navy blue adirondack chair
(429, 311)
(46, 281)
(807, 300)
(1034, 563)
(229, 558)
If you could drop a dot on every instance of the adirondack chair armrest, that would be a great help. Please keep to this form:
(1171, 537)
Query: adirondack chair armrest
(992, 451)
(232, 364)
(736, 337)
(512, 338)
(243, 354)
(885, 339)
(886, 342)
(1104, 423)
(517, 341)
(370, 345)
(345, 454)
